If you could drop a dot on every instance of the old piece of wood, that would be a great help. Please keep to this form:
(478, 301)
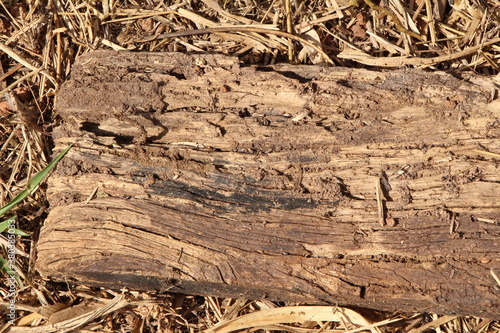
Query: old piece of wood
(195, 174)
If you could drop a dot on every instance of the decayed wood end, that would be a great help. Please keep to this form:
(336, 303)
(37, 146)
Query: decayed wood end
(194, 174)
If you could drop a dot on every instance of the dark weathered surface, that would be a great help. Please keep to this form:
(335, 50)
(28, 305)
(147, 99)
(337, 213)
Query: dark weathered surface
(207, 177)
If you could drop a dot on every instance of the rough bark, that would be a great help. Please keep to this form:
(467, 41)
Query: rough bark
(194, 174)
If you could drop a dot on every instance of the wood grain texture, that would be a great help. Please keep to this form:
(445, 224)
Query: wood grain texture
(213, 178)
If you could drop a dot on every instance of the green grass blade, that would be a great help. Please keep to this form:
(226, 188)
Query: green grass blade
(19, 232)
(4, 266)
(5, 224)
(33, 183)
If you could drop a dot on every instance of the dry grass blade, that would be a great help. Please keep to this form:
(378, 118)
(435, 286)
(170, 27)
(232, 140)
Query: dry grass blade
(399, 27)
(11, 53)
(237, 29)
(408, 61)
(327, 330)
(495, 276)
(487, 153)
(69, 325)
(433, 324)
(294, 314)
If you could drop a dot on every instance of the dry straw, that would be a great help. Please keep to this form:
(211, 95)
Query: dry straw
(39, 40)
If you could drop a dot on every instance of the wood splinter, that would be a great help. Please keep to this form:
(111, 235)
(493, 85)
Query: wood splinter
(380, 201)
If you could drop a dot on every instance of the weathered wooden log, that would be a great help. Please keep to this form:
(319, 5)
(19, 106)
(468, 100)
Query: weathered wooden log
(194, 174)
